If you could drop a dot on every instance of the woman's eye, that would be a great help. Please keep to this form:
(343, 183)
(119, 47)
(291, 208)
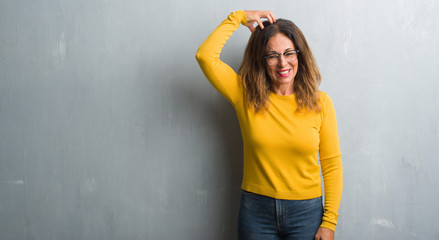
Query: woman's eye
(271, 56)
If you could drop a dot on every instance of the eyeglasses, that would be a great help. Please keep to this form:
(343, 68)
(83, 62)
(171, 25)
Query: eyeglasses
(274, 58)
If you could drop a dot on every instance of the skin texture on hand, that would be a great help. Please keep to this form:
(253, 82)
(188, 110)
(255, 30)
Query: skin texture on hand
(324, 234)
(255, 16)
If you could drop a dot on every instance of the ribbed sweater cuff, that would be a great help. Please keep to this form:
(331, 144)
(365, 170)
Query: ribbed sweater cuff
(328, 225)
(240, 15)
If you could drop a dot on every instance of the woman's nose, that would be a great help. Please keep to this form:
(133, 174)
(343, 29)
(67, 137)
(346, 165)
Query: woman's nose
(282, 60)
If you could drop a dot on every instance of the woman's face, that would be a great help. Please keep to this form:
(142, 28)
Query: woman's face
(282, 72)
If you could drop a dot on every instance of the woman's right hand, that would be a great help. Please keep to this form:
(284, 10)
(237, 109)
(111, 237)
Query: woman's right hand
(255, 16)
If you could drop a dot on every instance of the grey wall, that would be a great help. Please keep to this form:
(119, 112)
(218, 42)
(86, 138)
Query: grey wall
(109, 130)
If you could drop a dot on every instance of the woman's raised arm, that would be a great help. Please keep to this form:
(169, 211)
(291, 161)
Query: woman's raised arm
(220, 75)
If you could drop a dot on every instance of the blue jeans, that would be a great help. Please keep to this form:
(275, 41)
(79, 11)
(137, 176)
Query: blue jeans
(262, 217)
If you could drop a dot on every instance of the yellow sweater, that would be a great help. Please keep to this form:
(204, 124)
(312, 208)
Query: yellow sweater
(280, 146)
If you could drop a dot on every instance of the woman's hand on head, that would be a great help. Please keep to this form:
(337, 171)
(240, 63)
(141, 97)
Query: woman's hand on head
(324, 234)
(255, 16)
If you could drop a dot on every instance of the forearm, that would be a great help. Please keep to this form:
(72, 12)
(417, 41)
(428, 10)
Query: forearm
(332, 172)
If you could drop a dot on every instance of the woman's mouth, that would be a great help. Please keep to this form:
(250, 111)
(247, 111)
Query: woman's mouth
(284, 73)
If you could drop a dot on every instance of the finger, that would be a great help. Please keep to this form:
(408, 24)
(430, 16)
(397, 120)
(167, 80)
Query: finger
(317, 236)
(260, 23)
(252, 28)
(270, 19)
(272, 16)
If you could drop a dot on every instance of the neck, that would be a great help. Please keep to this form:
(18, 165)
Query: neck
(283, 90)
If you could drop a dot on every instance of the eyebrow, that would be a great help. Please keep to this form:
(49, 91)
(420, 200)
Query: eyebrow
(286, 50)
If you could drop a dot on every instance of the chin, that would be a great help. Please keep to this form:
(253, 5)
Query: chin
(283, 80)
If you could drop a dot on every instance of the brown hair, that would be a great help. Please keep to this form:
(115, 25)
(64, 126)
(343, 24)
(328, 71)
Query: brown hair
(254, 77)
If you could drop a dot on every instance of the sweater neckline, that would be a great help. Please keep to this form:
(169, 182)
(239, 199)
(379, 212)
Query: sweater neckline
(273, 94)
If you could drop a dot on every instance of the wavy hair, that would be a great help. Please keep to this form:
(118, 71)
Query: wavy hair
(257, 83)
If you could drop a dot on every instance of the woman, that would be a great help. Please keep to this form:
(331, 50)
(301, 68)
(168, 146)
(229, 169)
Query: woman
(286, 122)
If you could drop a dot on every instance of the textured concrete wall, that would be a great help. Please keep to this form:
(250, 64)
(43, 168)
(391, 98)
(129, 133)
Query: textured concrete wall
(109, 130)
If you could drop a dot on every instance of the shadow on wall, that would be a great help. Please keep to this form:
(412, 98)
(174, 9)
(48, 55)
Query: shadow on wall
(210, 111)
